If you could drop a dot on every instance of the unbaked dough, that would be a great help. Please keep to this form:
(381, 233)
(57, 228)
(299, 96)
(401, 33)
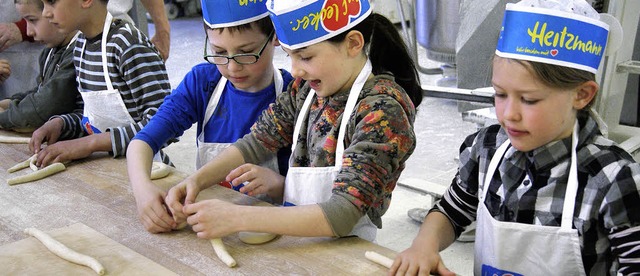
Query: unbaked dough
(65, 252)
(37, 175)
(14, 139)
(23, 164)
(222, 253)
(159, 170)
(256, 237)
(379, 259)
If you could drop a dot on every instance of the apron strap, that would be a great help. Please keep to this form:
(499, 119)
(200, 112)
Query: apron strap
(103, 44)
(572, 184)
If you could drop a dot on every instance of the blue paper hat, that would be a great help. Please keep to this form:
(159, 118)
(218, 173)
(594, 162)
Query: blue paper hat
(300, 23)
(552, 36)
(229, 13)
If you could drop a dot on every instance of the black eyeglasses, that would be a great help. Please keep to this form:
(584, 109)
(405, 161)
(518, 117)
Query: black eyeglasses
(244, 59)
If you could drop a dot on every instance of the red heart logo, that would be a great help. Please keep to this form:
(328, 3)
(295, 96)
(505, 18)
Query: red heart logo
(336, 13)
(554, 52)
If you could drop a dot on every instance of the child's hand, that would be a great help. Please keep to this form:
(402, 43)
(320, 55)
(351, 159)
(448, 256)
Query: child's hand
(9, 35)
(257, 180)
(417, 260)
(212, 218)
(186, 191)
(49, 133)
(152, 210)
(5, 70)
(63, 152)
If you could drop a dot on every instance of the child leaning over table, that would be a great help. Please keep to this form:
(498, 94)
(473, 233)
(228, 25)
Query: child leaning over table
(121, 86)
(550, 194)
(224, 96)
(56, 92)
(348, 117)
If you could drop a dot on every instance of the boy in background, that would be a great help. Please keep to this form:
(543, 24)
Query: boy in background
(121, 77)
(56, 91)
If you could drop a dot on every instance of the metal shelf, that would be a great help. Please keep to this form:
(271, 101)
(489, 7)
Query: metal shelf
(630, 66)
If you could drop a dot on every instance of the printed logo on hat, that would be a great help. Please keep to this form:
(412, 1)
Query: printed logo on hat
(229, 13)
(310, 22)
(553, 37)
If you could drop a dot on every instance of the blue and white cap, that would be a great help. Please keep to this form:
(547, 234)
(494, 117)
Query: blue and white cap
(561, 32)
(300, 23)
(229, 13)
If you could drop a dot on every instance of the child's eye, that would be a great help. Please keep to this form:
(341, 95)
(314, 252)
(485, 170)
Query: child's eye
(499, 95)
(529, 101)
(305, 58)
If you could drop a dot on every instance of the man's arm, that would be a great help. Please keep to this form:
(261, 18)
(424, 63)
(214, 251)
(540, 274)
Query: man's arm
(162, 36)
(12, 33)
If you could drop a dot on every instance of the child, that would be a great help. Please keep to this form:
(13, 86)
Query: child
(121, 77)
(56, 92)
(550, 194)
(350, 126)
(224, 96)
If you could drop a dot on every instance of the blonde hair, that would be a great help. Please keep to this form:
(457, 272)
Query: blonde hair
(38, 3)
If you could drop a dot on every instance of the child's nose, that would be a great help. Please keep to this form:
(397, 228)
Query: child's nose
(46, 12)
(511, 110)
(296, 71)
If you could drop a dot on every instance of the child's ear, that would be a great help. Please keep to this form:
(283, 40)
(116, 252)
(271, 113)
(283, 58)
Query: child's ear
(87, 3)
(276, 41)
(355, 43)
(585, 94)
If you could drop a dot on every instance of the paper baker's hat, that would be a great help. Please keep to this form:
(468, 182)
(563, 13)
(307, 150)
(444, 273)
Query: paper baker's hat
(561, 32)
(229, 13)
(300, 23)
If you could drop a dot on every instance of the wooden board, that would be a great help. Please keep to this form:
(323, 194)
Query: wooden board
(30, 257)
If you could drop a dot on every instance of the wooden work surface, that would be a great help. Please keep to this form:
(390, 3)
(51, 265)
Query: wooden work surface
(96, 193)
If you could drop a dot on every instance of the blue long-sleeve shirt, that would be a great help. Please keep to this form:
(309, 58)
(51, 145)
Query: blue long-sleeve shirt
(236, 112)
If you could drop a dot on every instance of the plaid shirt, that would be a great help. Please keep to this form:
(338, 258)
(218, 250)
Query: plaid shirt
(530, 188)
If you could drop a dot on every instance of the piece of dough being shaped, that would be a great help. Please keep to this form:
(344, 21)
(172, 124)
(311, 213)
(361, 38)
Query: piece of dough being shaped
(23, 164)
(37, 175)
(65, 252)
(256, 237)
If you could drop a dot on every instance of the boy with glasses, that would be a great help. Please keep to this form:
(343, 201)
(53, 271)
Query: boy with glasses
(224, 97)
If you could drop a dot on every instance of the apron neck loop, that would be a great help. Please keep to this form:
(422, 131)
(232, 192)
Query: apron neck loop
(354, 94)
(572, 180)
(103, 44)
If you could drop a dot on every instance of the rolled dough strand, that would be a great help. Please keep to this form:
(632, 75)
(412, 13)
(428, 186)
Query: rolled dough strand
(32, 162)
(37, 175)
(159, 170)
(14, 139)
(65, 252)
(22, 165)
(379, 259)
(222, 253)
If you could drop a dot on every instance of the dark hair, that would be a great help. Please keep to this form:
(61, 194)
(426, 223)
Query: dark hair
(264, 25)
(388, 53)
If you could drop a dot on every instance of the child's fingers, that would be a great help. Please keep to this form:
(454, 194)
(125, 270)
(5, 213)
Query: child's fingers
(237, 173)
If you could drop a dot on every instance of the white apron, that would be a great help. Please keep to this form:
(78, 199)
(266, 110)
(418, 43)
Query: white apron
(311, 185)
(207, 151)
(503, 248)
(103, 109)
